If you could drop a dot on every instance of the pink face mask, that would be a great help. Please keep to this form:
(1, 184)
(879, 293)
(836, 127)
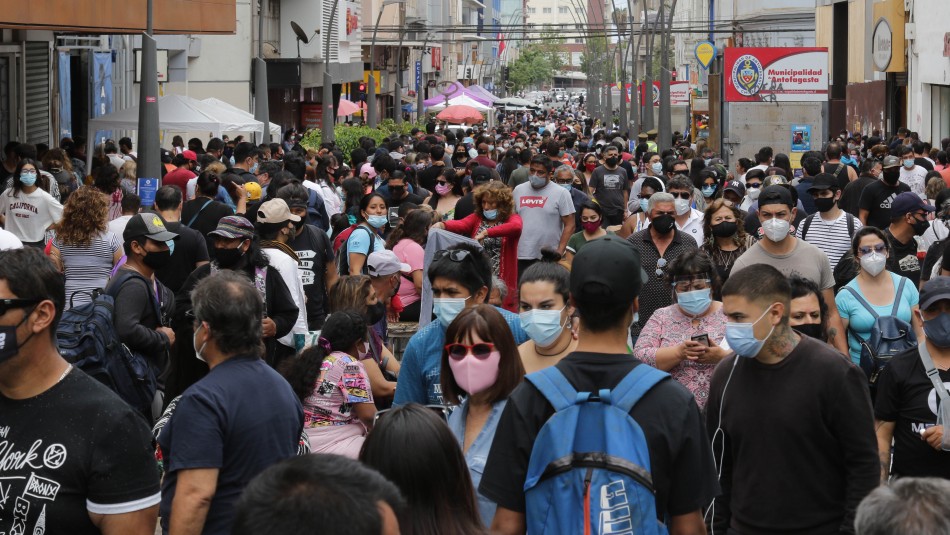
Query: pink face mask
(475, 375)
(443, 189)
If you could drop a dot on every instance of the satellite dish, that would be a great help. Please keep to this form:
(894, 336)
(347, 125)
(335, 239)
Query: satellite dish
(300, 33)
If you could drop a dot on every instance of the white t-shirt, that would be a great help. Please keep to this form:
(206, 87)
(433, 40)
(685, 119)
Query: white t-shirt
(190, 189)
(331, 201)
(117, 225)
(541, 211)
(693, 226)
(28, 215)
(916, 178)
(287, 267)
(9, 241)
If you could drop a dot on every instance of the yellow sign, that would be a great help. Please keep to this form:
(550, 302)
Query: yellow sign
(376, 78)
(705, 53)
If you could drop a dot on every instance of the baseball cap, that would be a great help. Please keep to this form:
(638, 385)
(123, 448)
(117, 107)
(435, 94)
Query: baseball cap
(890, 161)
(908, 202)
(275, 211)
(736, 187)
(368, 169)
(774, 180)
(823, 181)
(253, 190)
(150, 225)
(607, 270)
(934, 290)
(775, 195)
(385, 262)
(233, 226)
(190, 155)
(481, 174)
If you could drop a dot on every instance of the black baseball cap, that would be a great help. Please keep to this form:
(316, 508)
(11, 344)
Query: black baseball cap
(908, 202)
(149, 225)
(936, 289)
(823, 181)
(607, 270)
(776, 195)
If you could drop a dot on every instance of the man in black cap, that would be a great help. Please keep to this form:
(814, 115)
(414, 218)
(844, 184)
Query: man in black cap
(734, 193)
(606, 278)
(874, 208)
(398, 193)
(908, 219)
(829, 228)
(466, 205)
(907, 406)
(789, 254)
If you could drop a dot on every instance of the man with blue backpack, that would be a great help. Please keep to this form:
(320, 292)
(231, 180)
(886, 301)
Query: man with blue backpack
(601, 443)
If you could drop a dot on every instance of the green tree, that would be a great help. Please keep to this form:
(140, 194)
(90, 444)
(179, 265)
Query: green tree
(537, 62)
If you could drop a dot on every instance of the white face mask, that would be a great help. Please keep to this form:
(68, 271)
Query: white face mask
(873, 263)
(776, 229)
(681, 206)
(194, 342)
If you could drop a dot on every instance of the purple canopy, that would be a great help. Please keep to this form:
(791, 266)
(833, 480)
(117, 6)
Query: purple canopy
(484, 93)
(459, 91)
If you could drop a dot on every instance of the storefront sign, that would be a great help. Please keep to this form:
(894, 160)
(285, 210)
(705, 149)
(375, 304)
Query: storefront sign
(679, 93)
(780, 74)
(311, 116)
(882, 44)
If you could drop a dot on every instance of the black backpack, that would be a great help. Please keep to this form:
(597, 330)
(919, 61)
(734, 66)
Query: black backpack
(343, 255)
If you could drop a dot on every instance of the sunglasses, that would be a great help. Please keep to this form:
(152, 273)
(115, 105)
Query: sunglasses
(481, 350)
(682, 195)
(879, 248)
(753, 185)
(660, 264)
(441, 411)
(7, 305)
(455, 255)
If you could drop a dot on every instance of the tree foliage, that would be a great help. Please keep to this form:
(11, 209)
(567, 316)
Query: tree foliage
(537, 62)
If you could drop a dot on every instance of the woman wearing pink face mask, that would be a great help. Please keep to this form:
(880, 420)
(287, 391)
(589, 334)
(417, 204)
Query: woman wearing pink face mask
(586, 166)
(448, 191)
(481, 362)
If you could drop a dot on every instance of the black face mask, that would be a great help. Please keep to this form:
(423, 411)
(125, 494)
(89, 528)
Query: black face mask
(812, 330)
(920, 226)
(397, 191)
(228, 258)
(611, 161)
(299, 224)
(663, 224)
(9, 346)
(375, 313)
(824, 204)
(891, 177)
(725, 229)
(157, 259)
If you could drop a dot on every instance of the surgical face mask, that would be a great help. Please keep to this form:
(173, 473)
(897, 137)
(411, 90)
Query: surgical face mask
(707, 161)
(776, 229)
(447, 308)
(754, 194)
(657, 168)
(644, 205)
(194, 343)
(741, 337)
(254, 168)
(231, 160)
(377, 221)
(542, 326)
(681, 206)
(873, 263)
(443, 189)
(490, 214)
(537, 182)
(694, 302)
(567, 186)
(28, 178)
(909, 163)
(938, 330)
(472, 153)
(491, 147)
(708, 191)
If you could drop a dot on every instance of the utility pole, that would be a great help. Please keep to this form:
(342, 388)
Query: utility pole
(635, 118)
(261, 106)
(329, 111)
(149, 161)
(665, 130)
(648, 120)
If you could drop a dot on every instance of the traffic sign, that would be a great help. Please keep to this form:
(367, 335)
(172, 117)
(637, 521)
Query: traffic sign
(705, 53)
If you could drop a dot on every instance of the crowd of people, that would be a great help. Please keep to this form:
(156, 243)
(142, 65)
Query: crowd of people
(545, 326)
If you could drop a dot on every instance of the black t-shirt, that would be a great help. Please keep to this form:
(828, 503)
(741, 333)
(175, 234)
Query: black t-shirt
(934, 255)
(683, 470)
(902, 258)
(924, 162)
(72, 450)
(427, 176)
(207, 219)
(190, 248)
(877, 198)
(392, 206)
(800, 448)
(906, 397)
(315, 251)
(851, 195)
(840, 172)
(465, 206)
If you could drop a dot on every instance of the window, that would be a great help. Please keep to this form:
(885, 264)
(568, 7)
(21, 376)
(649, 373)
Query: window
(578, 40)
(562, 10)
(532, 11)
(545, 10)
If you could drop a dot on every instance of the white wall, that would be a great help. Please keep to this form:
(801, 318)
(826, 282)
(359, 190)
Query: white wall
(927, 65)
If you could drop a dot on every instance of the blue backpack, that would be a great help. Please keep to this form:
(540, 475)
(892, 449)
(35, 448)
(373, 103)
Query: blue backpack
(589, 471)
(87, 339)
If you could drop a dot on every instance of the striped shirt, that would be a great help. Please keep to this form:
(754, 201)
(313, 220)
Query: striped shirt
(87, 267)
(830, 236)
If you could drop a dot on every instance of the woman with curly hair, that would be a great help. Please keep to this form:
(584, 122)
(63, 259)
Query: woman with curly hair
(333, 387)
(726, 239)
(83, 249)
(497, 227)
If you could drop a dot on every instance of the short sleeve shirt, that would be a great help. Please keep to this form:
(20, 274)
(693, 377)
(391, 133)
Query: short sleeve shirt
(877, 198)
(341, 383)
(806, 260)
(359, 241)
(610, 185)
(656, 293)
(861, 321)
(541, 211)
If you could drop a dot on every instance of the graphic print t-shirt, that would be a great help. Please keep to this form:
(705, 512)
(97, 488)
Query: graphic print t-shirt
(341, 383)
(541, 211)
(610, 186)
(74, 449)
(315, 251)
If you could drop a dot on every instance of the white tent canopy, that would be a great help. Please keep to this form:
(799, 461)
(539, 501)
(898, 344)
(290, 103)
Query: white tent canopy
(239, 114)
(463, 100)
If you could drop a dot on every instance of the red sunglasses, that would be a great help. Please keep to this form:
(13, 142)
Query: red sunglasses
(480, 350)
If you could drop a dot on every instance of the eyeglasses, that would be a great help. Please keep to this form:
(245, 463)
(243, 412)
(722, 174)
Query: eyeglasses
(879, 248)
(660, 264)
(687, 284)
(481, 350)
(455, 255)
(7, 305)
(441, 411)
(647, 197)
(682, 195)
(441, 182)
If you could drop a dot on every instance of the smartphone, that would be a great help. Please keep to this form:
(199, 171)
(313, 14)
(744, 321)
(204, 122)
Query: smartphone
(701, 338)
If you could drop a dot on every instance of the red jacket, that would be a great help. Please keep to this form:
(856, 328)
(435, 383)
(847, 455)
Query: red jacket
(509, 232)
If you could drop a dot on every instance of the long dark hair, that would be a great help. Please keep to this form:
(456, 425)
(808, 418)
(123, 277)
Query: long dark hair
(364, 204)
(434, 480)
(415, 226)
(17, 185)
(106, 180)
(342, 330)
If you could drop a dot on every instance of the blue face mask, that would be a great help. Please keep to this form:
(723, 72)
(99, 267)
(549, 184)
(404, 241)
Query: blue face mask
(909, 163)
(171, 246)
(644, 205)
(253, 169)
(377, 221)
(447, 308)
(490, 214)
(27, 178)
(543, 326)
(708, 191)
(694, 302)
(741, 337)
(231, 160)
(566, 186)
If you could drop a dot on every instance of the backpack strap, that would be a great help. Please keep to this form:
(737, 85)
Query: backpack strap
(195, 217)
(897, 296)
(862, 301)
(806, 224)
(123, 277)
(554, 387)
(637, 383)
(851, 225)
(932, 373)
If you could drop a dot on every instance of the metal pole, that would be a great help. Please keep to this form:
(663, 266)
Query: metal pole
(397, 89)
(371, 100)
(648, 119)
(635, 118)
(329, 111)
(261, 105)
(421, 89)
(149, 161)
(665, 130)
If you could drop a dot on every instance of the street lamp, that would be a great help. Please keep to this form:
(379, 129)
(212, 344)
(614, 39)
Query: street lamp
(328, 110)
(371, 101)
(419, 90)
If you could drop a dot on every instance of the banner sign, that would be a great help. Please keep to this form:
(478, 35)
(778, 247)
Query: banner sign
(780, 74)
(102, 89)
(679, 93)
(705, 53)
(65, 97)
